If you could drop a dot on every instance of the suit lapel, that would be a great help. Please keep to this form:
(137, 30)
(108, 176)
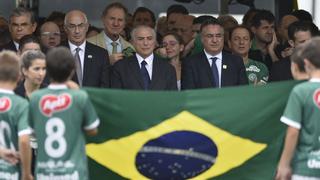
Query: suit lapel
(135, 69)
(155, 72)
(224, 69)
(100, 41)
(87, 63)
(74, 78)
(205, 66)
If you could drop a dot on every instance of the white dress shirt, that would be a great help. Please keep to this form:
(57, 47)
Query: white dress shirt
(108, 42)
(218, 63)
(149, 64)
(81, 52)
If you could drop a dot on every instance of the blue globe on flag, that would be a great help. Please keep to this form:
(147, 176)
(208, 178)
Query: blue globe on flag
(176, 155)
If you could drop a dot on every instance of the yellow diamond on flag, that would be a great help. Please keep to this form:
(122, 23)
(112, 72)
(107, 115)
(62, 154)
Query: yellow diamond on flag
(144, 155)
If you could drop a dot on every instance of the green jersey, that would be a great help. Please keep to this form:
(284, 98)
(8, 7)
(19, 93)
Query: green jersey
(257, 72)
(13, 123)
(303, 112)
(58, 117)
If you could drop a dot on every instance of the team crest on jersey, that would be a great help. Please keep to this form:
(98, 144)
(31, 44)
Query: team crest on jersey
(5, 104)
(316, 98)
(54, 103)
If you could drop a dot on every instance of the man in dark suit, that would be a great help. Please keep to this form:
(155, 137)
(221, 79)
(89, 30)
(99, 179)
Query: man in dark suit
(144, 70)
(212, 67)
(92, 63)
(21, 23)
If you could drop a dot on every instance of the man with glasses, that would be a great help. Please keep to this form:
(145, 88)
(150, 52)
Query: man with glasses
(92, 63)
(212, 68)
(50, 35)
(21, 23)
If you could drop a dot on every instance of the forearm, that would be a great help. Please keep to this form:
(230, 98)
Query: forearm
(25, 154)
(289, 146)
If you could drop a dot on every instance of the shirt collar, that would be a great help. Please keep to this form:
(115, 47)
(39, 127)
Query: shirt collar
(73, 47)
(6, 91)
(209, 56)
(57, 86)
(16, 45)
(109, 41)
(148, 59)
(314, 80)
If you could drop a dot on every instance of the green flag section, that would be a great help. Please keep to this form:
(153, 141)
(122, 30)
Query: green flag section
(230, 133)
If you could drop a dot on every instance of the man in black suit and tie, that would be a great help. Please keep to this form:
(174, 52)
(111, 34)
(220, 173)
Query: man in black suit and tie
(92, 63)
(212, 68)
(21, 22)
(144, 70)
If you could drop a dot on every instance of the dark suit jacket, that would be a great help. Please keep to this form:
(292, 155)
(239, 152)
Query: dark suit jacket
(196, 71)
(281, 70)
(96, 67)
(9, 46)
(125, 74)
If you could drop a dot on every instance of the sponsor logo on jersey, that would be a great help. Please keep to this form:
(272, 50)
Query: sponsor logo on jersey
(316, 98)
(54, 103)
(5, 104)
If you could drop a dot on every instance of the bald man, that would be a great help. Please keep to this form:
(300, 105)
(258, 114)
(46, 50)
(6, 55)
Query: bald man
(92, 62)
(183, 27)
(283, 26)
(50, 35)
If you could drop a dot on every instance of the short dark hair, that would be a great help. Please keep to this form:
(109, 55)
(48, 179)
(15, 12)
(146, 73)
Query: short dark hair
(262, 15)
(302, 26)
(144, 9)
(60, 64)
(311, 51)
(114, 5)
(93, 28)
(28, 39)
(302, 15)
(213, 21)
(240, 27)
(56, 15)
(201, 19)
(9, 66)
(246, 20)
(20, 11)
(177, 8)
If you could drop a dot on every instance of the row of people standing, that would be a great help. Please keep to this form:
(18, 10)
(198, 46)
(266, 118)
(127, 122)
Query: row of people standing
(96, 65)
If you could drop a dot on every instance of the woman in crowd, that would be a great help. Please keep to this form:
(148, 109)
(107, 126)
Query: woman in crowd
(33, 70)
(173, 46)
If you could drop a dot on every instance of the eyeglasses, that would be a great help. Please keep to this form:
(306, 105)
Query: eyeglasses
(73, 27)
(169, 43)
(56, 34)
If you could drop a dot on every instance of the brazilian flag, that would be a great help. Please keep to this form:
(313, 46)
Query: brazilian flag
(230, 133)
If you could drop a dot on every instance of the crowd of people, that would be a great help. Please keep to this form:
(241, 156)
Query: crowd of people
(141, 52)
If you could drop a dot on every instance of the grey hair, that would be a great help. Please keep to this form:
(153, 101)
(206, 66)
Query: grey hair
(68, 14)
(134, 30)
(29, 56)
(20, 11)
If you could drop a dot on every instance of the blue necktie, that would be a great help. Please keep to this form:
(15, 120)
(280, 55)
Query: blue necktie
(215, 72)
(145, 75)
